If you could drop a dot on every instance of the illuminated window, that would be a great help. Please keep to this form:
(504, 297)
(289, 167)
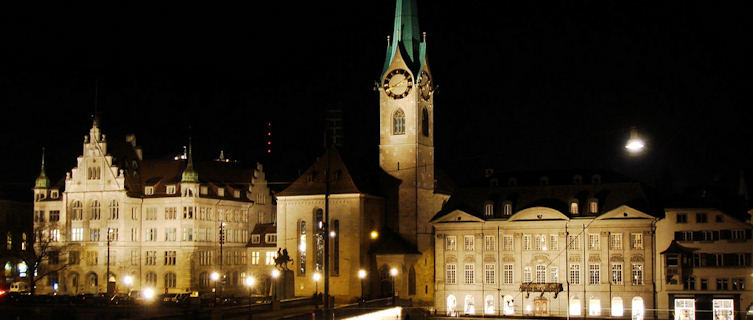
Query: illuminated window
(489, 243)
(574, 274)
(398, 122)
(575, 307)
(270, 258)
(255, 257)
(615, 241)
(574, 207)
(488, 209)
(527, 274)
(637, 274)
(319, 240)
(451, 243)
(685, 308)
(617, 309)
(636, 240)
(490, 273)
(170, 189)
(508, 274)
(150, 278)
(451, 305)
(508, 305)
(93, 234)
(54, 215)
(594, 307)
(553, 242)
(593, 206)
(540, 273)
(526, 242)
(468, 273)
(468, 243)
(92, 258)
(617, 273)
(470, 307)
(93, 173)
(77, 234)
(593, 241)
(187, 234)
(450, 270)
(151, 258)
(572, 242)
(148, 190)
(594, 274)
(539, 242)
(301, 248)
(94, 210)
(114, 210)
(507, 243)
(554, 274)
(77, 210)
(507, 209)
(489, 304)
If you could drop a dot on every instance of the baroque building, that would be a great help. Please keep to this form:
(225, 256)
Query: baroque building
(166, 224)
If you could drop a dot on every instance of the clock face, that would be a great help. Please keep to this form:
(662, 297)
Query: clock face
(424, 86)
(397, 83)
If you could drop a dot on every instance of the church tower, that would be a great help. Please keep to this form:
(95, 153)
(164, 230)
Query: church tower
(406, 143)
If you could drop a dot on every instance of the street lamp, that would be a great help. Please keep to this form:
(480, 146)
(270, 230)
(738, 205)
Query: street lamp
(275, 303)
(393, 274)
(374, 235)
(249, 282)
(362, 276)
(214, 276)
(317, 276)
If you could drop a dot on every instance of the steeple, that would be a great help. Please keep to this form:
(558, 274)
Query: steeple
(406, 37)
(42, 180)
(190, 174)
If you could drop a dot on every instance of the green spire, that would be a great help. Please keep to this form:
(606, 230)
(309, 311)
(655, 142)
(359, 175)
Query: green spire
(42, 181)
(189, 174)
(405, 37)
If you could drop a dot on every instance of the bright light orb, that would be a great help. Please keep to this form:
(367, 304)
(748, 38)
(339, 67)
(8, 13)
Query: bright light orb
(317, 276)
(214, 276)
(275, 273)
(148, 293)
(635, 144)
(331, 234)
(361, 274)
(374, 234)
(128, 280)
(249, 282)
(393, 272)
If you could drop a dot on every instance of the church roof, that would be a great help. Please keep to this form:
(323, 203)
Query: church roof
(406, 38)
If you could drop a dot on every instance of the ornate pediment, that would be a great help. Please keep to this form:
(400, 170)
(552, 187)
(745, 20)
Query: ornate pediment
(574, 258)
(508, 258)
(636, 258)
(489, 258)
(616, 258)
(469, 259)
(451, 259)
(594, 258)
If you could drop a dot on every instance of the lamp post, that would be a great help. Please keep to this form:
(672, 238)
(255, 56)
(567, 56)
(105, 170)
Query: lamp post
(128, 281)
(249, 282)
(393, 274)
(214, 276)
(316, 276)
(275, 302)
(362, 276)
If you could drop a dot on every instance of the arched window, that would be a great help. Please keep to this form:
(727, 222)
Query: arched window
(170, 280)
(412, 281)
(488, 209)
(425, 122)
(575, 306)
(302, 248)
(114, 210)
(489, 304)
(508, 208)
(319, 239)
(94, 210)
(150, 279)
(452, 305)
(74, 281)
(398, 122)
(92, 281)
(509, 305)
(574, 207)
(617, 309)
(77, 210)
(203, 280)
(594, 307)
(469, 307)
(638, 308)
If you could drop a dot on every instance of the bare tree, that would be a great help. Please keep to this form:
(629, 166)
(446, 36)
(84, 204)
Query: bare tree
(44, 257)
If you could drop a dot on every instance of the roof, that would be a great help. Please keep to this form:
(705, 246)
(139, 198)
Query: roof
(391, 242)
(405, 37)
(262, 229)
(609, 193)
(675, 247)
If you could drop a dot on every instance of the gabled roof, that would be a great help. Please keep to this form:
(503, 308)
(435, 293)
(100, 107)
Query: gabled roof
(312, 181)
(675, 247)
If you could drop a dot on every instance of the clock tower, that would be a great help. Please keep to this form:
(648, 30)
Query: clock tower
(406, 143)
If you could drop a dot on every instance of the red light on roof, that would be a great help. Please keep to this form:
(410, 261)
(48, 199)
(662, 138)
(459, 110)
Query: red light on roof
(269, 133)
(269, 142)
(269, 151)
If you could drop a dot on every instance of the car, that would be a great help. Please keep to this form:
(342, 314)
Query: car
(20, 287)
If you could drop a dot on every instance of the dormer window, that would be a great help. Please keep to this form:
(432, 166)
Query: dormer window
(593, 206)
(507, 209)
(488, 209)
(574, 207)
(255, 238)
(544, 181)
(170, 189)
(204, 190)
(271, 238)
(149, 190)
(236, 194)
(596, 179)
(54, 194)
(577, 179)
(220, 192)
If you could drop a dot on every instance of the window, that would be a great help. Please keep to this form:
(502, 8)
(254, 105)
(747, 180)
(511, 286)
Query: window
(450, 270)
(637, 273)
(540, 273)
(488, 209)
(526, 242)
(151, 234)
(220, 192)
(489, 243)
(574, 206)
(170, 258)
(700, 218)
(593, 206)
(507, 243)
(148, 190)
(53, 257)
(94, 210)
(203, 190)
(507, 209)
(574, 274)
(170, 189)
(593, 241)
(594, 274)
(527, 275)
(134, 258)
(508, 274)
(572, 242)
(682, 218)
(93, 173)
(114, 210)
(704, 284)
(736, 235)
(722, 284)
(77, 234)
(594, 307)
(468, 273)
(23, 241)
(151, 258)
(170, 213)
(150, 279)
(554, 274)
(272, 238)
(113, 234)
(74, 257)
(553, 242)
(54, 194)
(255, 238)
(690, 284)
(92, 258)
(636, 240)
(54, 235)
(425, 122)
(151, 214)
(302, 248)
(539, 242)
(187, 234)
(93, 234)
(54, 215)
(255, 257)
(615, 241)
(187, 212)
(134, 214)
(738, 284)
(205, 258)
(468, 243)
(38, 216)
(170, 234)
(398, 122)
(617, 273)
(270, 258)
(77, 210)
(490, 273)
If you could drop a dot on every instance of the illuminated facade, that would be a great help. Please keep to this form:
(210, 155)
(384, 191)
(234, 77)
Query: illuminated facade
(545, 250)
(163, 217)
(704, 265)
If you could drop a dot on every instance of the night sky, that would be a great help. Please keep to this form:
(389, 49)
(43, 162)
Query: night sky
(525, 85)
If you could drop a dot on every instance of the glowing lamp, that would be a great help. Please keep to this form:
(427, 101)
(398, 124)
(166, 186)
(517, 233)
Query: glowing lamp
(317, 276)
(214, 276)
(635, 144)
(362, 274)
(128, 280)
(148, 293)
(374, 234)
(275, 273)
(249, 282)
(393, 272)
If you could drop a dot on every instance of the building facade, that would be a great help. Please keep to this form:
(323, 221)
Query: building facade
(545, 250)
(704, 265)
(15, 232)
(165, 224)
